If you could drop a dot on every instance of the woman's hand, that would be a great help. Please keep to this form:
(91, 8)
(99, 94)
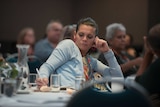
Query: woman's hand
(41, 82)
(101, 45)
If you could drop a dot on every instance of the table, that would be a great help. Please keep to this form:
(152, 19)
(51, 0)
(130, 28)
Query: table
(36, 99)
(45, 99)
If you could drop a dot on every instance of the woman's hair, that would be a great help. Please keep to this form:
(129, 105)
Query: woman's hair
(154, 42)
(68, 31)
(22, 35)
(112, 28)
(154, 37)
(130, 37)
(89, 22)
(155, 30)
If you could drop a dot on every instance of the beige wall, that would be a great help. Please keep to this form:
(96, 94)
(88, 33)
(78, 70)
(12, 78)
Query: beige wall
(132, 13)
(16, 14)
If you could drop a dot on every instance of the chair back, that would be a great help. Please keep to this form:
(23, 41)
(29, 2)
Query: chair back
(133, 95)
(33, 63)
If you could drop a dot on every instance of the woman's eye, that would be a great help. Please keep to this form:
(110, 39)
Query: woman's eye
(80, 34)
(90, 37)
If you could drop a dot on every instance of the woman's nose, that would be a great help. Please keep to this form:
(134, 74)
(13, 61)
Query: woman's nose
(123, 39)
(84, 38)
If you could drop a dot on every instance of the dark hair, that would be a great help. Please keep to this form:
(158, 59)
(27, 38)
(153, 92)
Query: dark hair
(154, 42)
(22, 35)
(88, 21)
(155, 30)
(154, 37)
(68, 31)
(131, 37)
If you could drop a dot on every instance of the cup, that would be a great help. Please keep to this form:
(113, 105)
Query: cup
(79, 82)
(9, 87)
(55, 82)
(117, 84)
(32, 79)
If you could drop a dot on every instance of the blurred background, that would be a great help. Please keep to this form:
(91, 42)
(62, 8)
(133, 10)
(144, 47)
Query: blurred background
(137, 16)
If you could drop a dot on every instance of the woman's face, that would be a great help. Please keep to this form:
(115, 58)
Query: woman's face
(118, 41)
(127, 41)
(29, 37)
(84, 37)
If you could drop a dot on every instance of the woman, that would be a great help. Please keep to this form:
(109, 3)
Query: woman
(27, 36)
(115, 34)
(66, 59)
(68, 31)
(129, 46)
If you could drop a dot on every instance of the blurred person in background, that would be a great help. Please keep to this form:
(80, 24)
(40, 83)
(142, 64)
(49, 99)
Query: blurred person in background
(115, 35)
(129, 45)
(27, 36)
(68, 31)
(148, 74)
(45, 46)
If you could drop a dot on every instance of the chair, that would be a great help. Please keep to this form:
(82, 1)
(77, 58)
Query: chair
(33, 61)
(12, 58)
(133, 95)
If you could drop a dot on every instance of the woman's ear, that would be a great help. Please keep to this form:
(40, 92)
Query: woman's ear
(74, 36)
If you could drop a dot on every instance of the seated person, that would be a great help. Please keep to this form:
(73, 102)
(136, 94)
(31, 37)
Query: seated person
(70, 58)
(115, 34)
(27, 36)
(129, 48)
(68, 31)
(45, 46)
(148, 74)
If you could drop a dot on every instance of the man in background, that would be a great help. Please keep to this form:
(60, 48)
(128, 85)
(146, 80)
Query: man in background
(44, 47)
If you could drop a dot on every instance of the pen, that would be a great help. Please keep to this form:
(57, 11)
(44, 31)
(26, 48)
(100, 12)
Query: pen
(38, 72)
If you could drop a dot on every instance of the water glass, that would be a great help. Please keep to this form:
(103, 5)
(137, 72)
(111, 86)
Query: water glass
(55, 82)
(79, 82)
(32, 79)
(9, 87)
(117, 84)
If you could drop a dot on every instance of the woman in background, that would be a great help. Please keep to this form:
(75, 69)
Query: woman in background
(27, 36)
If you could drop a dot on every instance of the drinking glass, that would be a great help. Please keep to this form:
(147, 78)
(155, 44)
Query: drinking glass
(79, 82)
(55, 82)
(9, 87)
(117, 84)
(32, 79)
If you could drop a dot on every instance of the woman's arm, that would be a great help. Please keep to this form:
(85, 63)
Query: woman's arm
(112, 70)
(102, 46)
(64, 51)
(128, 65)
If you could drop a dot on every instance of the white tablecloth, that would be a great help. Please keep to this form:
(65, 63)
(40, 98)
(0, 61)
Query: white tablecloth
(36, 99)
